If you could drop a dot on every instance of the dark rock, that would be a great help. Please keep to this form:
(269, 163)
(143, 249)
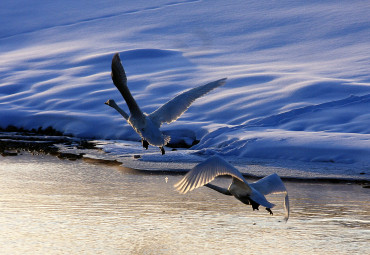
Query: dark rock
(69, 156)
(9, 153)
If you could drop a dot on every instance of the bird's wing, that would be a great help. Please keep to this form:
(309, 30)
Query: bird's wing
(207, 171)
(173, 109)
(272, 184)
(120, 81)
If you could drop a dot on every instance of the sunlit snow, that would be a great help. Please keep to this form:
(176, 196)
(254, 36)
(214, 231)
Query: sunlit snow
(298, 74)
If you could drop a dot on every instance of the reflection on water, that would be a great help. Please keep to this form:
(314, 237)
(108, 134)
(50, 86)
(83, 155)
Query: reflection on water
(49, 206)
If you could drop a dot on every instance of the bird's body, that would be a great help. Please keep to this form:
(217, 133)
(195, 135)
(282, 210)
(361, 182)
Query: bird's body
(248, 193)
(148, 125)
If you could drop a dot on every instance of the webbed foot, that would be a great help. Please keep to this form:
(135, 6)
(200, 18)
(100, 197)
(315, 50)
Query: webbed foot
(254, 205)
(145, 143)
(162, 150)
(269, 210)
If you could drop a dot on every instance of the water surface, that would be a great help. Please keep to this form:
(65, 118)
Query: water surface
(52, 206)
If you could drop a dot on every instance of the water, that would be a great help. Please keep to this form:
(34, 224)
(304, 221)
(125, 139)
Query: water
(51, 206)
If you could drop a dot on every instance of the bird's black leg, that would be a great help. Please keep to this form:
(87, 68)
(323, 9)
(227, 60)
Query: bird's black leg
(269, 210)
(145, 143)
(162, 150)
(254, 205)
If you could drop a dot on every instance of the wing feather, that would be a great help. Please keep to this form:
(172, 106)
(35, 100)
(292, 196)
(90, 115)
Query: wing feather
(173, 109)
(206, 172)
(271, 184)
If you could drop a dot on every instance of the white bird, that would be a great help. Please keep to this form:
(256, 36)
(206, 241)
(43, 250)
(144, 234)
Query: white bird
(248, 193)
(147, 125)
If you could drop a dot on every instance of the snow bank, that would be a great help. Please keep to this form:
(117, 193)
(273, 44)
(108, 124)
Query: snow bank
(298, 72)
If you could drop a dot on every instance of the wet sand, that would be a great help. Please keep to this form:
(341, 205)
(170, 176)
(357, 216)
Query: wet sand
(52, 206)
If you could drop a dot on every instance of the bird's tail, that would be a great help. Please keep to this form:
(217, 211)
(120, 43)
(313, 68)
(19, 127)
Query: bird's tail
(167, 139)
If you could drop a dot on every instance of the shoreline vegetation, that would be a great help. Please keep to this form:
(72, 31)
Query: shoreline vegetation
(14, 141)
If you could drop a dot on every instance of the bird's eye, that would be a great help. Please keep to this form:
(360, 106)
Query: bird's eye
(143, 129)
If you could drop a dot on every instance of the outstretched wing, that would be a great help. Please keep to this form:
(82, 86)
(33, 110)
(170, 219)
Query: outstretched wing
(272, 184)
(207, 171)
(173, 109)
(120, 81)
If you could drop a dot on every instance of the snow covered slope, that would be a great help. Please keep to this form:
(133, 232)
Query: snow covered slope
(298, 72)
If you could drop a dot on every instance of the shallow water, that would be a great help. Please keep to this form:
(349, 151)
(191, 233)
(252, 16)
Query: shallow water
(50, 206)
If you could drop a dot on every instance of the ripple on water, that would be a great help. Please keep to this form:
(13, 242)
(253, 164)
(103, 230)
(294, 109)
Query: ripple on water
(53, 206)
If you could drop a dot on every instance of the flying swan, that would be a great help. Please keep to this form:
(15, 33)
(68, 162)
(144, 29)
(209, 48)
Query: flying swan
(248, 193)
(147, 125)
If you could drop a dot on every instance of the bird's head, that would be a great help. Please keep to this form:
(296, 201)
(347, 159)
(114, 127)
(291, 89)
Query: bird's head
(110, 102)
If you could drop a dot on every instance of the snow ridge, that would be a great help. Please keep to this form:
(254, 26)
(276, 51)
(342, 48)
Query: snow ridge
(298, 83)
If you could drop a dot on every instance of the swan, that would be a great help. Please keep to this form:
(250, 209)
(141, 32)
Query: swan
(248, 193)
(148, 125)
(114, 105)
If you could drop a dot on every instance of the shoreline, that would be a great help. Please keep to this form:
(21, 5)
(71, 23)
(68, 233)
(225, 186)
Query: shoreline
(13, 143)
(365, 183)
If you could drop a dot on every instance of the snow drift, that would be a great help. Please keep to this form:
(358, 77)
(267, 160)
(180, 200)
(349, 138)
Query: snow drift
(298, 72)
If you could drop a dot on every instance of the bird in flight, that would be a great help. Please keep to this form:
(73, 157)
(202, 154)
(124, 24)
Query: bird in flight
(148, 125)
(248, 193)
